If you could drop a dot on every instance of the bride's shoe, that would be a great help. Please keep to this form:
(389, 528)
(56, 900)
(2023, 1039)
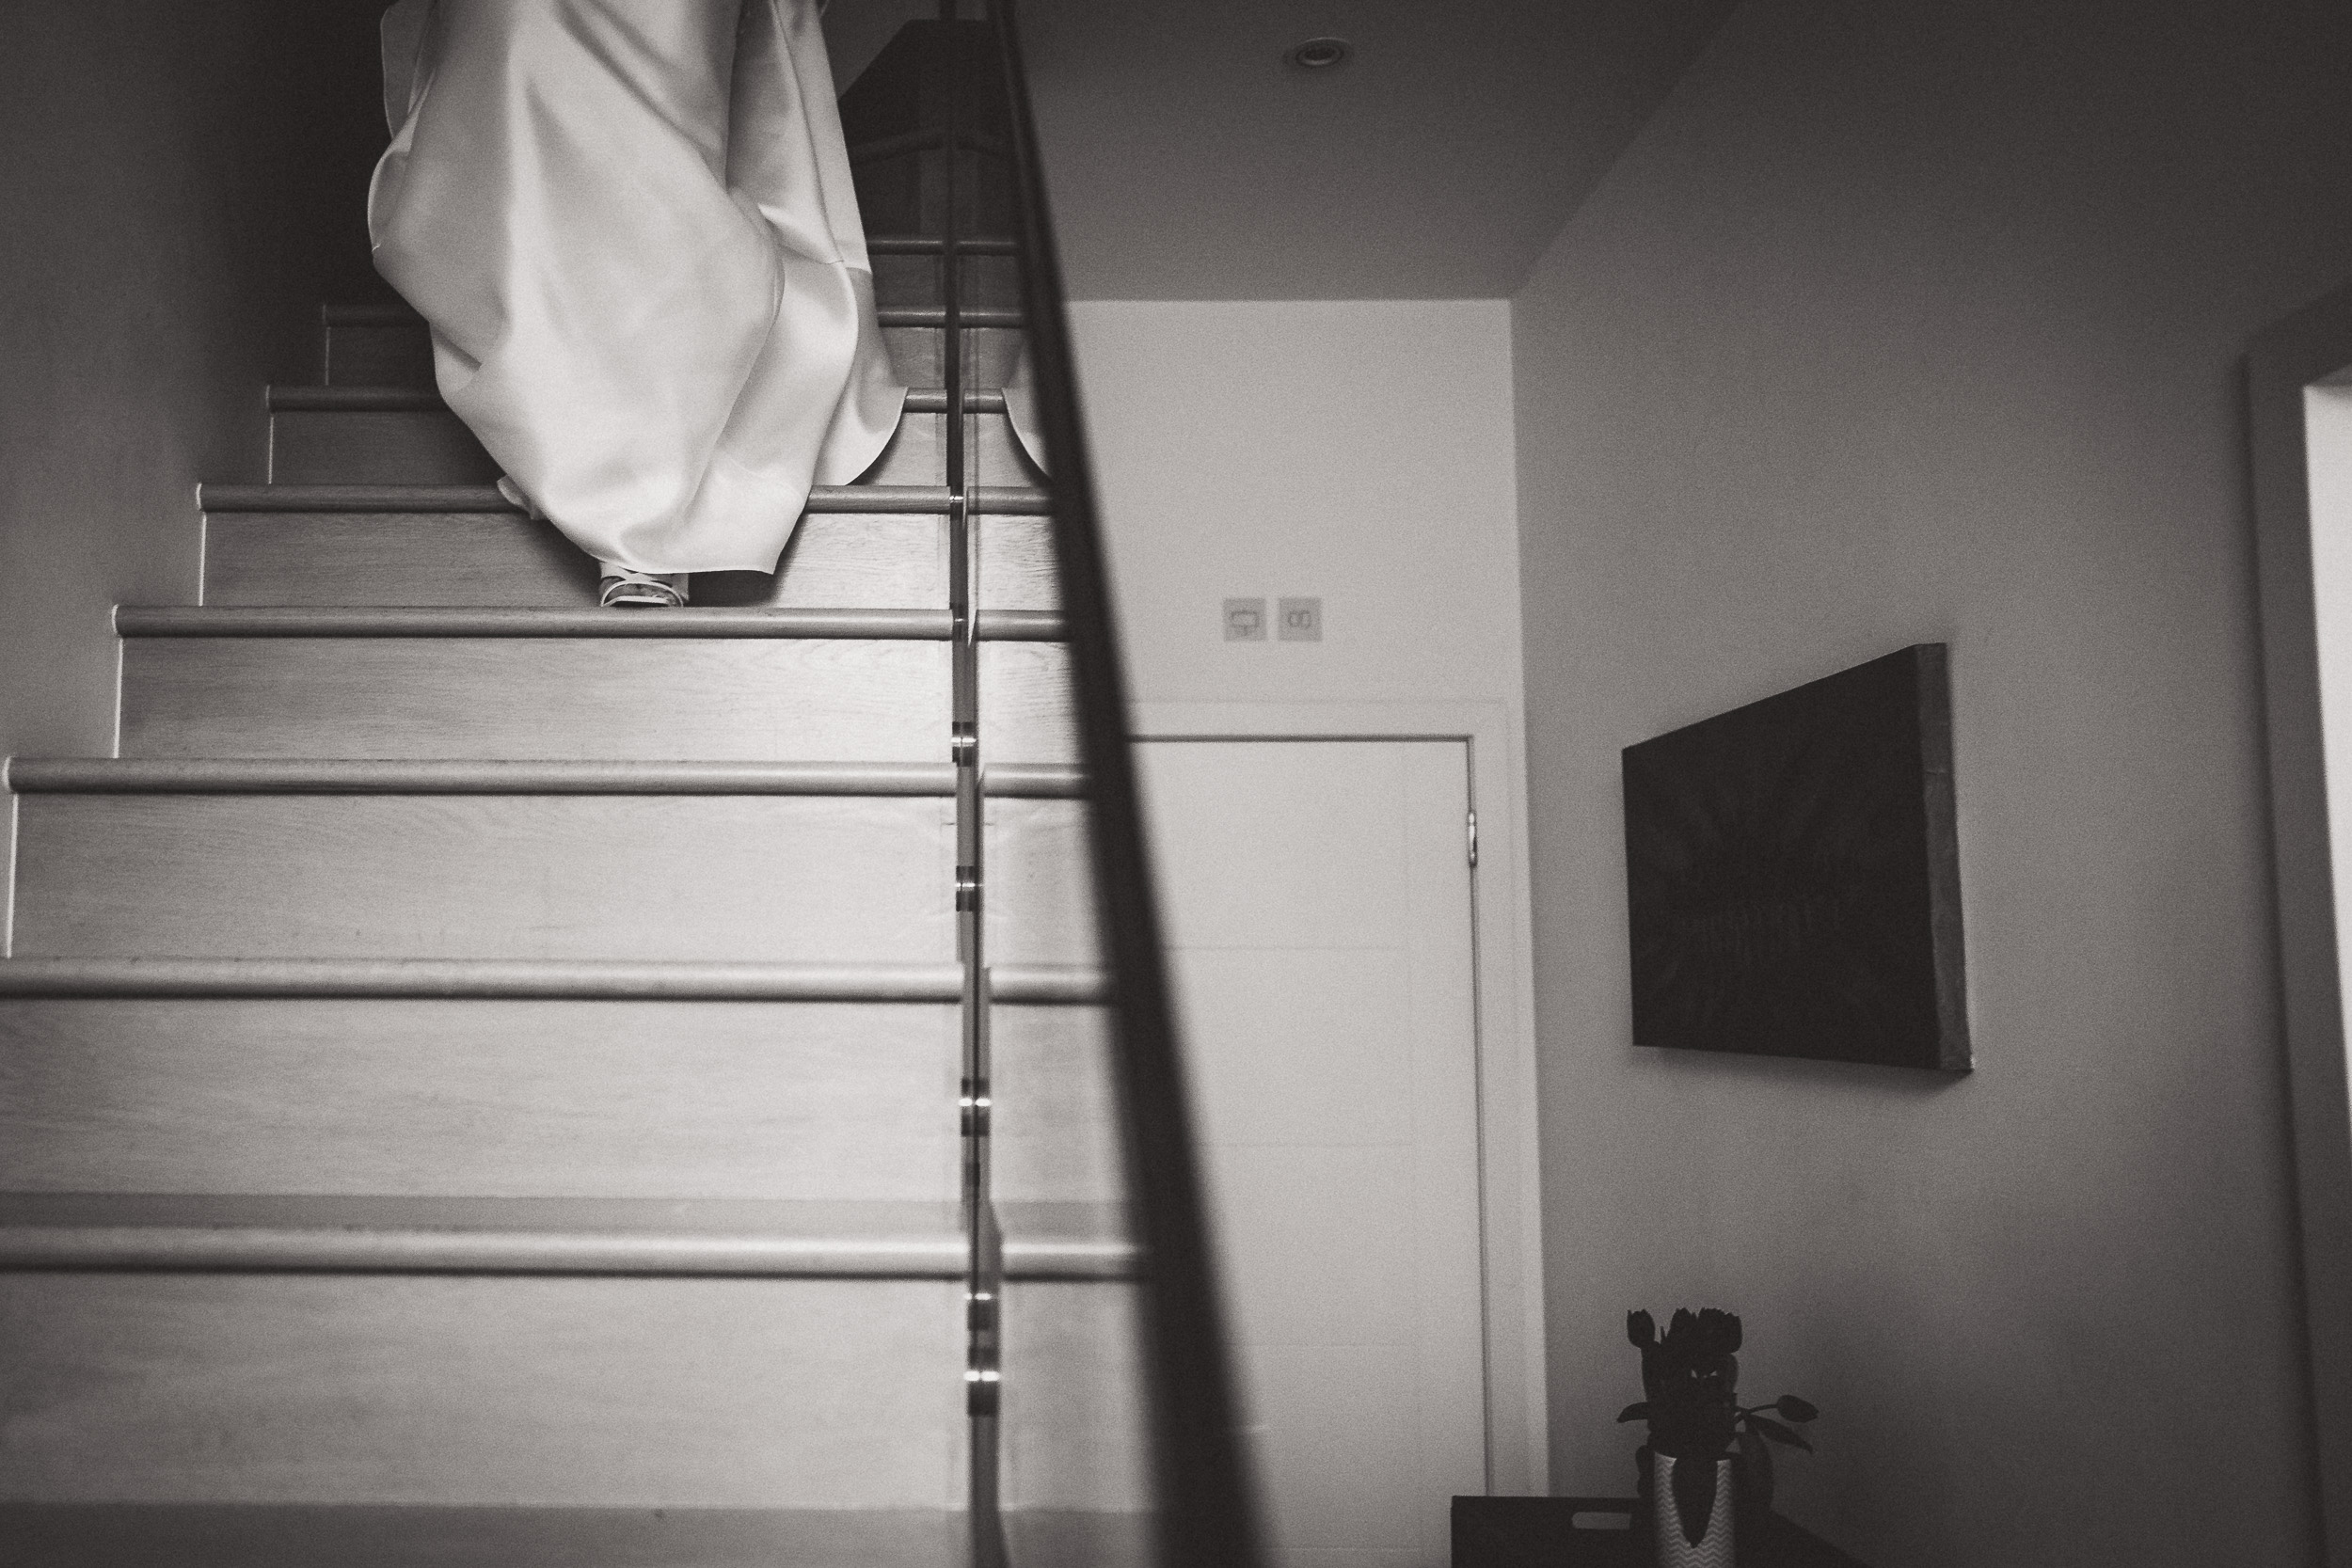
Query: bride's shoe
(622, 589)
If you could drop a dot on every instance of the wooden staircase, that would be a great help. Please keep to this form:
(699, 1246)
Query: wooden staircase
(485, 1079)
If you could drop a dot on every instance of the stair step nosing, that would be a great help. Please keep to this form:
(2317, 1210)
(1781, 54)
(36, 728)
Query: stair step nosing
(887, 315)
(1049, 985)
(303, 776)
(933, 400)
(930, 244)
(325, 1249)
(1002, 499)
(468, 979)
(915, 626)
(402, 400)
(352, 1234)
(1035, 1261)
(885, 244)
(936, 316)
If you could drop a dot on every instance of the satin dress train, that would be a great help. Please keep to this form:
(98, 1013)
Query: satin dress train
(631, 226)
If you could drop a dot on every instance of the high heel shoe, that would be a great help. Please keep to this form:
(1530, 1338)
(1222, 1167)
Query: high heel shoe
(618, 586)
(623, 589)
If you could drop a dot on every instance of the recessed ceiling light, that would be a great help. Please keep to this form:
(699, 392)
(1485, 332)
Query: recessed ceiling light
(1318, 54)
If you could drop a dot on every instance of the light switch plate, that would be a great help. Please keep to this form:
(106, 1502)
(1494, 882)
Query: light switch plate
(1300, 620)
(1245, 620)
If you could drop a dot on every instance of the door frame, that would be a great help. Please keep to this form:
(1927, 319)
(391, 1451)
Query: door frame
(2310, 347)
(1510, 1218)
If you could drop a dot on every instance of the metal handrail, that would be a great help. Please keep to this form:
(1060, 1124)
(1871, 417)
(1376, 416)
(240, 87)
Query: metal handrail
(1205, 1513)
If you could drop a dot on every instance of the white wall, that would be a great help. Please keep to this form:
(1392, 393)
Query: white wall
(1361, 452)
(1358, 451)
(1911, 320)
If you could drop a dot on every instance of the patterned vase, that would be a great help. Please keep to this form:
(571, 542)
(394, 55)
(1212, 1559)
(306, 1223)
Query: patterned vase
(1675, 1549)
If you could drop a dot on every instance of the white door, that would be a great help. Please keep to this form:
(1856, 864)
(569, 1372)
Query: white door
(1317, 897)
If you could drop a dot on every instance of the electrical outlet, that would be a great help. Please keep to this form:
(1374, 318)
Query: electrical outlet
(1300, 620)
(1245, 620)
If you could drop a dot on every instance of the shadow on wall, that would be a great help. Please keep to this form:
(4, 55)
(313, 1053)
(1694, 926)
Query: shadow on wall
(186, 184)
(1908, 321)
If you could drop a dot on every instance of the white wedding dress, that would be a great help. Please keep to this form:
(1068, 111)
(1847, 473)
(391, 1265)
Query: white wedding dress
(631, 227)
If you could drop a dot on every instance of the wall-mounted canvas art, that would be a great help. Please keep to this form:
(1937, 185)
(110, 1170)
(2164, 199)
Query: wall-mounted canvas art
(1792, 874)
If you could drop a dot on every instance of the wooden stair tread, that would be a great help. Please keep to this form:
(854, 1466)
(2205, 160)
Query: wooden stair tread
(286, 1535)
(933, 400)
(501, 560)
(479, 1235)
(1067, 1240)
(926, 626)
(539, 979)
(640, 698)
(930, 244)
(936, 316)
(476, 1235)
(386, 399)
(371, 1234)
(486, 497)
(460, 776)
(403, 315)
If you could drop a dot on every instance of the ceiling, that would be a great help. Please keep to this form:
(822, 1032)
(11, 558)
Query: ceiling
(1186, 160)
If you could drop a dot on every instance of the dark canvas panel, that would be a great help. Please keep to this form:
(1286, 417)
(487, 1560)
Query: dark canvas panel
(1792, 874)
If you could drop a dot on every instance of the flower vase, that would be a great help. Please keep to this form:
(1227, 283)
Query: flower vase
(1676, 1549)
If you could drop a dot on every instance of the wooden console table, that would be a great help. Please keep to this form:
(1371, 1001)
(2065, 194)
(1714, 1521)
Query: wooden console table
(1603, 1533)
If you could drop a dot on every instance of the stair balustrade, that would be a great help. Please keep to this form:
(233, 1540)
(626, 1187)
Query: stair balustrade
(485, 1079)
